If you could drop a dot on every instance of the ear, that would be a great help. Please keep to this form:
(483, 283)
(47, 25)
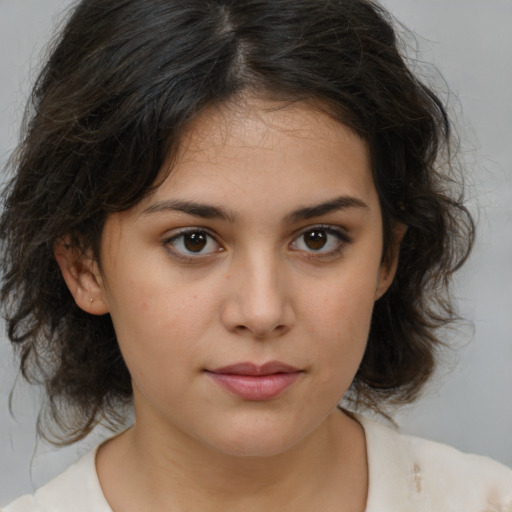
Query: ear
(388, 268)
(81, 272)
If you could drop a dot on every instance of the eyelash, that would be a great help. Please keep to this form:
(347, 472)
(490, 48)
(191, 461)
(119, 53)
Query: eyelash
(342, 240)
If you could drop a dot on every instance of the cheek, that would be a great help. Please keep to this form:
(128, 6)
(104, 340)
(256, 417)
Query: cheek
(159, 326)
(339, 320)
(152, 301)
(344, 303)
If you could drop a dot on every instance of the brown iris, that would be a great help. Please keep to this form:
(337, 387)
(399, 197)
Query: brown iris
(196, 241)
(315, 239)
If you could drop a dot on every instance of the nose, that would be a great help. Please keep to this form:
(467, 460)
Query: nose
(258, 301)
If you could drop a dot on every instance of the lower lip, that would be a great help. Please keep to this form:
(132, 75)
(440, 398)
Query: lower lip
(255, 387)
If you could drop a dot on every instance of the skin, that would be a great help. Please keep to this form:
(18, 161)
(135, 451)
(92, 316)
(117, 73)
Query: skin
(256, 292)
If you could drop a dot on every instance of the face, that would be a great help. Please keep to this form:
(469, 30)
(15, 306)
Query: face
(242, 290)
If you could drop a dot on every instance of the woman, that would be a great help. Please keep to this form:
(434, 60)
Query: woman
(233, 215)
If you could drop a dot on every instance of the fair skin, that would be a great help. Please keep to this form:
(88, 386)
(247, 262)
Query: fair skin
(264, 244)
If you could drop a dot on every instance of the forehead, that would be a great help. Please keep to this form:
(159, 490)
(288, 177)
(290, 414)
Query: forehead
(265, 151)
(257, 124)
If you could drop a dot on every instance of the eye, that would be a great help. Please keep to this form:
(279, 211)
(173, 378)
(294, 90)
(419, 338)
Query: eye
(193, 242)
(321, 240)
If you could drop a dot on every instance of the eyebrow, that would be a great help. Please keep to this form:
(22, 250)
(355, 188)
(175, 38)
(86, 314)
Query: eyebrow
(204, 211)
(338, 203)
(207, 211)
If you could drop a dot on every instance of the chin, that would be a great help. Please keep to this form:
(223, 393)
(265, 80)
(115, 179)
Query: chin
(256, 438)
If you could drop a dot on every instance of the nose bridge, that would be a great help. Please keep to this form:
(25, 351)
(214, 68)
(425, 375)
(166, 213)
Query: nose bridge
(258, 299)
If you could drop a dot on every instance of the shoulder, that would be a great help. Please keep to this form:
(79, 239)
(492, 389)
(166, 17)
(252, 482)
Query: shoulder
(75, 490)
(431, 476)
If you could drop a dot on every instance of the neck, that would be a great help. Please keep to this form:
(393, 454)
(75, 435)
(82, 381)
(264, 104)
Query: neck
(171, 471)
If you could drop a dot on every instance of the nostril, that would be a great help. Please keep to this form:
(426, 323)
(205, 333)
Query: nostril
(262, 333)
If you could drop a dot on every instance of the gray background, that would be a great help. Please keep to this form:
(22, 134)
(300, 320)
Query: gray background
(469, 404)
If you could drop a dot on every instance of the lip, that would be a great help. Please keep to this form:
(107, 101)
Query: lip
(254, 382)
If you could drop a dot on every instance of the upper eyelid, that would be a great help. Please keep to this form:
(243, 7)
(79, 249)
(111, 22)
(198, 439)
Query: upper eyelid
(343, 232)
(190, 229)
(175, 233)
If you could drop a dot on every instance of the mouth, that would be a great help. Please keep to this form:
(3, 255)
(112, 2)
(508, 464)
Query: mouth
(254, 382)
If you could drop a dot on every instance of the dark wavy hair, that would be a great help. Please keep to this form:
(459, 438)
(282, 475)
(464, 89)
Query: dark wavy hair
(122, 81)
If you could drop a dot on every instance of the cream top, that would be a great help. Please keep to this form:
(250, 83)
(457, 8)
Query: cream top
(405, 474)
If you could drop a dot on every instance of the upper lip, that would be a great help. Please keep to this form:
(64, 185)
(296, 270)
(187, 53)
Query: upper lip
(252, 369)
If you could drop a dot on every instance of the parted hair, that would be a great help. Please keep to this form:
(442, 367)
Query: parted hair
(122, 81)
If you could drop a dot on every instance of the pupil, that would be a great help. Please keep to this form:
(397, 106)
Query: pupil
(316, 239)
(195, 242)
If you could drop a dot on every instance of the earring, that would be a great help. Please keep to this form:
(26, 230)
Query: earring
(91, 300)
